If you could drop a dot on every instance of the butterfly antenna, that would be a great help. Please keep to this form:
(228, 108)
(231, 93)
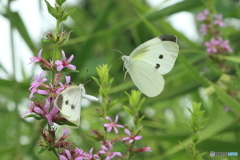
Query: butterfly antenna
(85, 76)
(87, 81)
(117, 50)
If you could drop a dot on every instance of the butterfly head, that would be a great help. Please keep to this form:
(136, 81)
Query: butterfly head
(126, 60)
(82, 89)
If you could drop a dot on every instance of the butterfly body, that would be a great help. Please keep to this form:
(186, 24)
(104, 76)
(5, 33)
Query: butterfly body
(69, 102)
(149, 61)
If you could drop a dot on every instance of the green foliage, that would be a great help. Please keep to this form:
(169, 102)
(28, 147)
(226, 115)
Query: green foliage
(99, 26)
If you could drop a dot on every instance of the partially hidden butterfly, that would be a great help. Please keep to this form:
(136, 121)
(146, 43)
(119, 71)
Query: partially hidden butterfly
(149, 61)
(69, 102)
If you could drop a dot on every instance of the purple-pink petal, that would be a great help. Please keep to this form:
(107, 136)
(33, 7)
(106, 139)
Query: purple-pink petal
(60, 67)
(70, 58)
(57, 62)
(63, 56)
(68, 154)
(138, 137)
(65, 132)
(127, 132)
(118, 125)
(38, 110)
(109, 118)
(72, 67)
(116, 130)
(54, 111)
(61, 157)
(49, 118)
(40, 53)
(109, 128)
(125, 138)
(102, 152)
(117, 153)
(42, 92)
(131, 140)
(107, 125)
(68, 79)
(116, 119)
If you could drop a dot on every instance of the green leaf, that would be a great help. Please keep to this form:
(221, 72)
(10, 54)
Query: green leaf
(64, 18)
(228, 100)
(127, 110)
(34, 115)
(60, 2)
(51, 10)
(235, 59)
(192, 70)
(65, 122)
(96, 80)
(41, 151)
(66, 39)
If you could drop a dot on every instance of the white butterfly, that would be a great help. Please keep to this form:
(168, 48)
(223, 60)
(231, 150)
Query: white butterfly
(69, 102)
(149, 61)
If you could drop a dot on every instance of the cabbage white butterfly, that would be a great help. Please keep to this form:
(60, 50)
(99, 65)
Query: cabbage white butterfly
(149, 61)
(69, 101)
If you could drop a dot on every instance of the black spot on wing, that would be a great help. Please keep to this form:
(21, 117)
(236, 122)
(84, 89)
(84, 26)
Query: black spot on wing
(59, 101)
(160, 56)
(157, 66)
(66, 102)
(168, 37)
(72, 107)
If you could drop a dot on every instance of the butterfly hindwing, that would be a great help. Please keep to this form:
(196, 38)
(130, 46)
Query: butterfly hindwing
(69, 104)
(149, 83)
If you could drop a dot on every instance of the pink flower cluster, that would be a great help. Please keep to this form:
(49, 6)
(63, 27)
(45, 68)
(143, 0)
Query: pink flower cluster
(205, 18)
(106, 152)
(46, 110)
(210, 27)
(218, 46)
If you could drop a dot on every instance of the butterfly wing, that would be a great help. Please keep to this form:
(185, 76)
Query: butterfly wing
(149, 61)
(160, 52)
(147, 79)
(69, 104)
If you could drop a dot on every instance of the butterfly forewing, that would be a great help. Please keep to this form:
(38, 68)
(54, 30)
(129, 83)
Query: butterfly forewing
(160, 51)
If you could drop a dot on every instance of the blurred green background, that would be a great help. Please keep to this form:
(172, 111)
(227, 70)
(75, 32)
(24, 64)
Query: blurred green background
(99, 26)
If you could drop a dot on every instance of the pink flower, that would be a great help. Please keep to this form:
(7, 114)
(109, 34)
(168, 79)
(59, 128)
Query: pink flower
(44, 111)
(39, 91)
(108, 152)
(37, 59)
(218, 46)
(51, 114)
(202, 15)
(63, 86)
(218, 20)
(204, 28)
(91, 156)
(31, 108)
(145, 149)
(212, 45)
(224, 44)
(67, 156)
(131, 137)
(38, 80)
(112, 125)
(65, 63)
